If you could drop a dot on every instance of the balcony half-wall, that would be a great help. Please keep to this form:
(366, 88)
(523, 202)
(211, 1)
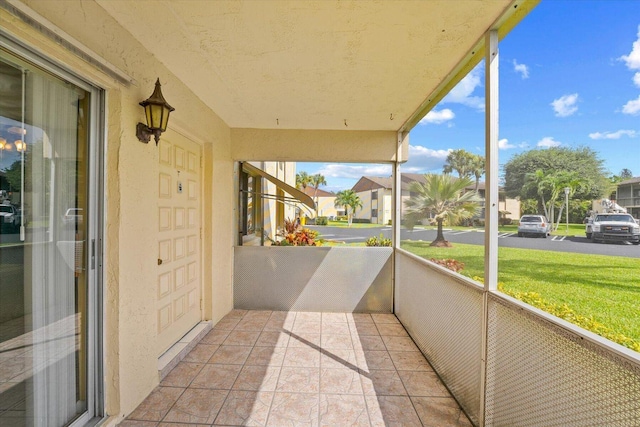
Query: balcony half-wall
(339, 279)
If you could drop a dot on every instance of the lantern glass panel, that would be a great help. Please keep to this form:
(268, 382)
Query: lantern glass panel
(156, 116)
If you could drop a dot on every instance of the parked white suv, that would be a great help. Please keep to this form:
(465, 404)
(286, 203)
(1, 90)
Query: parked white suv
(534, 225)
(613, 227)
(9, 217)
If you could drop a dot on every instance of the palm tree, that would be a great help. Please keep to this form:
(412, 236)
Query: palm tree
(440, 198)
(316, 181)
(348, 199)
(549, 186)
(302, 180)
(539, 180)
(477, 168)
(460, 161)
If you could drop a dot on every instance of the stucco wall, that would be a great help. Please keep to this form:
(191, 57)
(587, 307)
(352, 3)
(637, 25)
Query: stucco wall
(512, 206)
(131, 191)
(317, 145)
(384, 206)
(327, 207)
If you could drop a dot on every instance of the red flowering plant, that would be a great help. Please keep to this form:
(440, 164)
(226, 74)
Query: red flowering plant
(451, 264)
(293, 234)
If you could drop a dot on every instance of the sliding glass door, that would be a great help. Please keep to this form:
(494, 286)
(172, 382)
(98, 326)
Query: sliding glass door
(48, 232)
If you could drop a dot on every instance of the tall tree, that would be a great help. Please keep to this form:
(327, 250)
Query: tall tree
(477, 168)
(537, 182)
(316, 181)
(549, 186)
(582, 161)
(460, 161)
(440, 198)
(348, 199)
(13, 175)
(626, 174)
(302, 180)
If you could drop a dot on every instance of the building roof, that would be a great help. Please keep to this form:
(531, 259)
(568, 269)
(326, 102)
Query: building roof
(635, 180)
(311, 191)
(367, 183)
(369, 65)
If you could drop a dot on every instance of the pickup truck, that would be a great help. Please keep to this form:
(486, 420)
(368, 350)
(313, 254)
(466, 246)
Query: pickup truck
(613, 227)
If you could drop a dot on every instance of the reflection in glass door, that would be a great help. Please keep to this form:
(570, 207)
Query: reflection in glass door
(45, 305)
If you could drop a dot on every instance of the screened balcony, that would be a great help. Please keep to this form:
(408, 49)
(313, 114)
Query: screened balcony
(320, 346)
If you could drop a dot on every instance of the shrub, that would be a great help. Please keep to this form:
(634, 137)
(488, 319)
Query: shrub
(375, 241)
(563, 311)
(322, 220)
(451, 264)
(301, 237)
(293, 234)
(361, 221)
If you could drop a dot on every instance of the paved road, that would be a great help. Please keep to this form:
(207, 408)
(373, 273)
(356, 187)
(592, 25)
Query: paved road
(474, 237)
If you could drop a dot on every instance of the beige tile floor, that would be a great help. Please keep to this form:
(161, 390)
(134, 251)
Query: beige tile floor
(263, 368)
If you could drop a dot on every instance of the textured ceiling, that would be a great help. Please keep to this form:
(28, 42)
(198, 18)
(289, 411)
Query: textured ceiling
(310, 64)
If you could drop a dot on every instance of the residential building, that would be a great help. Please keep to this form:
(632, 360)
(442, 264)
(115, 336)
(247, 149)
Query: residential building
(135, 250)
(376, 196)
(628, 196)
(325, 202)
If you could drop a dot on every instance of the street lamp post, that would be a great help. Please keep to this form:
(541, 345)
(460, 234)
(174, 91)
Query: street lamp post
(566, 201)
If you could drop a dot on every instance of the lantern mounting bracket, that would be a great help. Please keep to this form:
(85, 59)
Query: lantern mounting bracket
(143, 132)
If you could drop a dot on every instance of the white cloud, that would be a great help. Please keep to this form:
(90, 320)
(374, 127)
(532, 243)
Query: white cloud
(522, 69)
(463, 92)
(565, 105)
(632, 107)
(423, 160)
(438, 116)
(613, 135)
(633, 59)
(548, 142)
(342, 170)
(503, 144)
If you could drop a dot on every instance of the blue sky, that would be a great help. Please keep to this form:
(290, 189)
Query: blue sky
(569, 76)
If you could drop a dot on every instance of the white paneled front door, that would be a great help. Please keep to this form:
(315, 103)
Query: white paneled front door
(179, 282)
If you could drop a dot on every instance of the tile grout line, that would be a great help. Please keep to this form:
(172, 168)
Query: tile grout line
(231, 387)
(364, 396)
(275, 390)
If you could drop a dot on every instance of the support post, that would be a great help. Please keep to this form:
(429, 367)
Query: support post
(491, 213)
(397, 213)
(491, 151)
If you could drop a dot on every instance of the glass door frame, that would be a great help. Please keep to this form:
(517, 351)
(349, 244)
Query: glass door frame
(94, 219)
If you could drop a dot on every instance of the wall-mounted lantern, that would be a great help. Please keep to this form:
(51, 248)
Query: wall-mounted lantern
(157, 112)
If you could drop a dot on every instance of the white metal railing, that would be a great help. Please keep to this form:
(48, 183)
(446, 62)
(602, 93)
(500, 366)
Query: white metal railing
(540, 370)
(442, 311)
(628, 201)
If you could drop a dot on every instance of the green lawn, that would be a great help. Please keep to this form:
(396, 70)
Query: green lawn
(604, 288)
